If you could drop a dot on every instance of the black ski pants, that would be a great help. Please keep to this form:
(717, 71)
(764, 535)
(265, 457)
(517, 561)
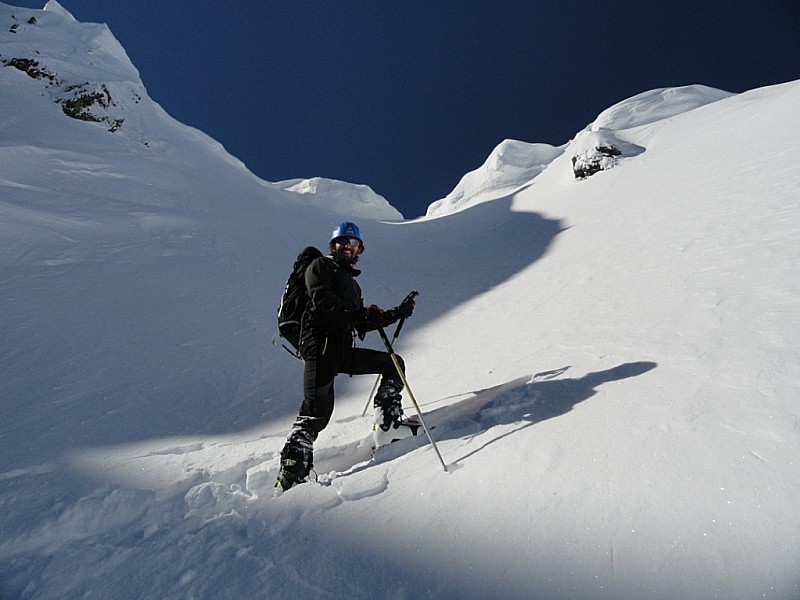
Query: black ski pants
(325, 356)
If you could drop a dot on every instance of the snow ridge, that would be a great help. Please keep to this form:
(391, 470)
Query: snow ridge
(513, 164)
(510, 165)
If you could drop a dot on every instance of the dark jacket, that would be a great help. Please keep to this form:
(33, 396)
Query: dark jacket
(335, 303)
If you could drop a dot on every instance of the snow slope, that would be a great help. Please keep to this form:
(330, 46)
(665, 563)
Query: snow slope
(610, 364)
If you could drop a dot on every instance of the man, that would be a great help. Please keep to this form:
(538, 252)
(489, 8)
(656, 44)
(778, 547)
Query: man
(334, 313)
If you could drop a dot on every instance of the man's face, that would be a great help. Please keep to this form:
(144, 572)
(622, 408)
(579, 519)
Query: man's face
(346, 249)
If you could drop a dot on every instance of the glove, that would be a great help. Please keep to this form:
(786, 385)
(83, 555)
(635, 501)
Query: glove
(374, 317)
(406, 308)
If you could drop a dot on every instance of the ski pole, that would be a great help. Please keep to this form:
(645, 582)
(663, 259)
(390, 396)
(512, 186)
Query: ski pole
(378, 378)
(397, 330)
(410, 394)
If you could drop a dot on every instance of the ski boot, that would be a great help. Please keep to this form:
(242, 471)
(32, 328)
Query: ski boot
(296, 464)
(390, 423)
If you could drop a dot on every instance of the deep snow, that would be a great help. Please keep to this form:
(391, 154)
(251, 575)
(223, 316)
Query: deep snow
(610, 365)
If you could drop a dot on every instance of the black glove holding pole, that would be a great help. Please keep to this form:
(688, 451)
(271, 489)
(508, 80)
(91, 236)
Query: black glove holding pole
(406, 308)
(373, 317)
(403, 310)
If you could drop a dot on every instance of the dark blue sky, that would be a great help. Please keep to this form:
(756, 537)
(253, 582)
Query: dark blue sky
(408, 96)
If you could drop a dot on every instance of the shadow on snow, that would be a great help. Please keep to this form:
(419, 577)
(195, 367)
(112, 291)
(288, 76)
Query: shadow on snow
(540, 398)
(527, 401)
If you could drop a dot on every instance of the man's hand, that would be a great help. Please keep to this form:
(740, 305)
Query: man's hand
(374, 317)
(406, 308)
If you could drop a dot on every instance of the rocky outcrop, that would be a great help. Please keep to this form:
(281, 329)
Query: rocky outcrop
(601, 150)
(587, 163)
(82, 101)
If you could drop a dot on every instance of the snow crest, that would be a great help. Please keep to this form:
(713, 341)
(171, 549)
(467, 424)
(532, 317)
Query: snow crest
(513, 163)
(510, 165)
(656, 105)
(54, 7)
(355, 200)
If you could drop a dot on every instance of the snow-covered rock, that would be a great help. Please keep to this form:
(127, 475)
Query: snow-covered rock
(603, 143)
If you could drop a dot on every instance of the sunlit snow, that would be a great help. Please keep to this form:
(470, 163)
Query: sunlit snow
(610, 364)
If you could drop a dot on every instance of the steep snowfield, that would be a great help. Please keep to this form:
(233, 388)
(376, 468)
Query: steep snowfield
(610, 364)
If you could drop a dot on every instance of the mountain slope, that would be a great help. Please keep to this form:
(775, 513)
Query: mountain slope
(609, 364)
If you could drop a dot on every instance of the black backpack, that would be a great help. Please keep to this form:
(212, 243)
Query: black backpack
(294, 298)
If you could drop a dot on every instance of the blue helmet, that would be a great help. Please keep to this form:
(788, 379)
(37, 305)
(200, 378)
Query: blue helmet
(347, 229)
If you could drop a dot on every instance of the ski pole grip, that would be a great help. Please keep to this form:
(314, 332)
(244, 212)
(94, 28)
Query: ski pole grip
(409, 298)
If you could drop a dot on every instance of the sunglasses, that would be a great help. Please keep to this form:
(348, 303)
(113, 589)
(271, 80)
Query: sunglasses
(349, 241)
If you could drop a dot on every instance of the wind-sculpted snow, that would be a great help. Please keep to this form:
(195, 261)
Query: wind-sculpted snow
(509, 166)
(358, 201)
(656, 105)
(513, 164)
